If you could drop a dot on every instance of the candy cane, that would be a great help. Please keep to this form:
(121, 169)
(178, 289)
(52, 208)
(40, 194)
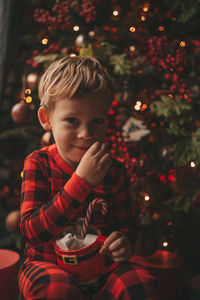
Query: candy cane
(91, 206)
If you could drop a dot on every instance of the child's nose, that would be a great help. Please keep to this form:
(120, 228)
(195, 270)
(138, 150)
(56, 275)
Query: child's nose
(85, 132)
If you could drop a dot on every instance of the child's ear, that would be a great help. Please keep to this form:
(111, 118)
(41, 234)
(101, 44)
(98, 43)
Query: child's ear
(44, 118)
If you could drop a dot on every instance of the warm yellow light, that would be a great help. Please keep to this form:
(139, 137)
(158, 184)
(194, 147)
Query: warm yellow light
(145, 8)
(170, 95)
(72, 55)
(115, 13)
(28, 91)
(45, 41)
(139, 103)
(76, 28)
(137, 107)
(146, 197)
(132, 48)
(161, 28)
(21, 174)
(132, 29)
(143, 18)
(29, 99)
(182, 43)
(192, 164)
(165, 244)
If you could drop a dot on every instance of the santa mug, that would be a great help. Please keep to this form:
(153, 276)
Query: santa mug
(85, 264)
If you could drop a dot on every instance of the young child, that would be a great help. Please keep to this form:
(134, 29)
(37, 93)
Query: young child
(60, 180)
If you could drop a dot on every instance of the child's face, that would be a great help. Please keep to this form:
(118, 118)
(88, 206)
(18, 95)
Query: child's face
(77, 123)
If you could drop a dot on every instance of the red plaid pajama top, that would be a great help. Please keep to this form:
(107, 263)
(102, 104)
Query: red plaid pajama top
(54, 197)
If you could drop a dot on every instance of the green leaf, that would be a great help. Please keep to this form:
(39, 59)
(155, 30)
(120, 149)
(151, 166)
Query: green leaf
(183, 152)
(122, 66)
(87, 51)
(168, 107)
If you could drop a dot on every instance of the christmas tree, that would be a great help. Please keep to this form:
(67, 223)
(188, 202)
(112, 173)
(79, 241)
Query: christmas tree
(152, 51)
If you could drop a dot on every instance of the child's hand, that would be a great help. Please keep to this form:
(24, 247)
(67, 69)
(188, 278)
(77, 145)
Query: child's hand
(94, 164)
(117, 247)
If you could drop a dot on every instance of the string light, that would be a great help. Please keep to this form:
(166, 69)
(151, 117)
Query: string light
(139, 103)
(192, 164)
(161, 28)
(143, 107)
(21, 174)
(136, 107)
(182, 43)
(132, 29)
(72, 55)
(146, 197)
(145, 8)
(29, 99)
(28, 91)
(140, 106)
(115, 13)
(132, 48)
(165, 244)
(45, 41)
(76, 28)
(143, 18)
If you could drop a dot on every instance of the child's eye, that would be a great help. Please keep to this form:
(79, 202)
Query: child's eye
(72, 121)
(99, 121)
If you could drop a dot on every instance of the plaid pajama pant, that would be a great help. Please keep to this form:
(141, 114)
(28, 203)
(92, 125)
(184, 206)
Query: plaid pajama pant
(44, 280)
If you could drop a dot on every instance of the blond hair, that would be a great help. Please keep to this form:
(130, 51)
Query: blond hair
(73, 77)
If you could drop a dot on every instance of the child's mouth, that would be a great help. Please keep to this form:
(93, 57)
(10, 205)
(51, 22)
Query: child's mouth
(81, 148)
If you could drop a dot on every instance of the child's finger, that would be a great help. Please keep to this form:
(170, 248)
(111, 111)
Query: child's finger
(103, 250)
(106, 159)
(118, 253)
(102, 150)
(112, 238)
(94, 148)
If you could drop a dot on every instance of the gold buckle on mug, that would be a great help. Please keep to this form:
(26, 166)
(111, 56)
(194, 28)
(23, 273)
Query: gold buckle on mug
(70, 259)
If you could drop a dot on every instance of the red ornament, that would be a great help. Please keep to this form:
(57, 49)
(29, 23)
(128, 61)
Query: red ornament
(22, 113)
